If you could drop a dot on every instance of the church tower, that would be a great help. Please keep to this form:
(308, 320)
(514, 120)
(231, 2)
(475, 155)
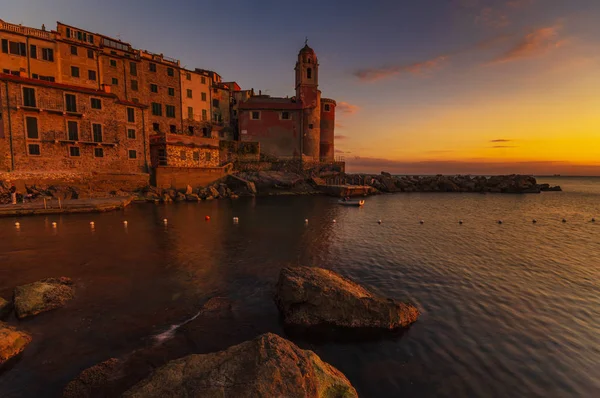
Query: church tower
(308, 94)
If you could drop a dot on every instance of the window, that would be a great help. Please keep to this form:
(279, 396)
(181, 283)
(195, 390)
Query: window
(14, 48)
(115, 81)
(97, 132)
(131, 133)
(173, 129)
(113, 63)
(152, 67)
(203, 80)
(73, 50)
(90, 53)
(98, 152)
(46, 78)
(171, 91)
(234, 112)
(255, 115)
(34, 149)
(48, 54)
(156, 109)
(204, 114)
(154, 88)
(183, 155)
(71, 103)
(196, 155)
(188, 76)
(203, 96)
(170, 109)
(96, 103)
(309, 73)
(130, 115)
(285, 116)
(92, 75)
(33, 51)
(215, 103)
(327, 108)
(170, 72)
(208, 156)
(32, 128)
(310, 126)
(132, 154)
(114, 44)
(114, 53)
(190, 113)
(133, 69)
(189, 93)
(74, 151)
(74, 71)
(134, 85)
(72, 130)
(29, 97)
(191, 129)
(156, 127)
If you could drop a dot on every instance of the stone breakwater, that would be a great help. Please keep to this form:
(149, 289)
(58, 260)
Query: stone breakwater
(515, 183)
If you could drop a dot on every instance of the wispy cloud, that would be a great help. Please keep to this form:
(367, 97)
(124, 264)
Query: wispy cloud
(492, 17)
(340, 137)
(535, 43)
(504, 146)
(346, 107)
(519, 3)
(416, 68)
(500, 140)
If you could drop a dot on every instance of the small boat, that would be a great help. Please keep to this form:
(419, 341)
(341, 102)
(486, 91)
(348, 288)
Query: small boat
(351, 202)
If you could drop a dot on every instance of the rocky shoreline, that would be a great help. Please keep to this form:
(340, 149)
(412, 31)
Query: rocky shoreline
(269, 183)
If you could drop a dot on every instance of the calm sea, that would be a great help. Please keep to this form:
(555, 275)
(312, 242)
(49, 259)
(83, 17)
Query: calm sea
(507, 310)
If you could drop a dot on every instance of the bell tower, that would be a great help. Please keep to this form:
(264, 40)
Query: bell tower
(309, 97)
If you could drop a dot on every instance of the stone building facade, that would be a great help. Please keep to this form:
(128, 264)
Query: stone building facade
(48, 126)
(301, 127)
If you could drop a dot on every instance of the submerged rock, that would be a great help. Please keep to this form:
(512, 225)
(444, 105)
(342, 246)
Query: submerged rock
(315, 297)
(42, 296)
(5, 308)
(12, 342)
(268, 366)
(93, 378)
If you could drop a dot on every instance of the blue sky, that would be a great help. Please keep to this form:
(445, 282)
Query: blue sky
(431, 83)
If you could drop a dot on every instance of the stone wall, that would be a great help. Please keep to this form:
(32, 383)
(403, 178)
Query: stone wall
(116, 153)
(184, 156)
(181, 177)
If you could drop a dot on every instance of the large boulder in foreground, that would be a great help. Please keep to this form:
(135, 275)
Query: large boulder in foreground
(12, 342)
(93, 378)
(41, 296)
(268, 366)
(310, 297)
(5, 308)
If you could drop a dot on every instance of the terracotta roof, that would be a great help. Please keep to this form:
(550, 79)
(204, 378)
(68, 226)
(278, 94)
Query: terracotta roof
(59, 86)
(307, 49)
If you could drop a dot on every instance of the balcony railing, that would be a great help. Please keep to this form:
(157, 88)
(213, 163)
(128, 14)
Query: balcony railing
(25, 30)
(48, 104)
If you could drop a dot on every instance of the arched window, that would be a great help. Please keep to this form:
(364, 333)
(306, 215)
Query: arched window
(309, 73)
(310, 61)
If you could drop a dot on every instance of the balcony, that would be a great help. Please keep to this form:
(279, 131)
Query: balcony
(48, 105)
(23, 30)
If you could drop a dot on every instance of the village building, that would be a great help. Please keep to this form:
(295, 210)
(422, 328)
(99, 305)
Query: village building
(291, 128)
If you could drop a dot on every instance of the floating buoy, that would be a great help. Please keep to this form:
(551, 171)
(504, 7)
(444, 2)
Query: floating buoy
(235, 220)
(499, 221)
(334, 221)
(125, 223)
(421, 222)
(460, 222)
(306, 221)
(534, 221)
(207, 218)
(53, 225)
(378, 221)
(92, 223)
(17, 224)
(165, 220)
(593, 220)
(563, 220)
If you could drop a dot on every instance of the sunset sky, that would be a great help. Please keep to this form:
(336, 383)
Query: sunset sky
(423, 86)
